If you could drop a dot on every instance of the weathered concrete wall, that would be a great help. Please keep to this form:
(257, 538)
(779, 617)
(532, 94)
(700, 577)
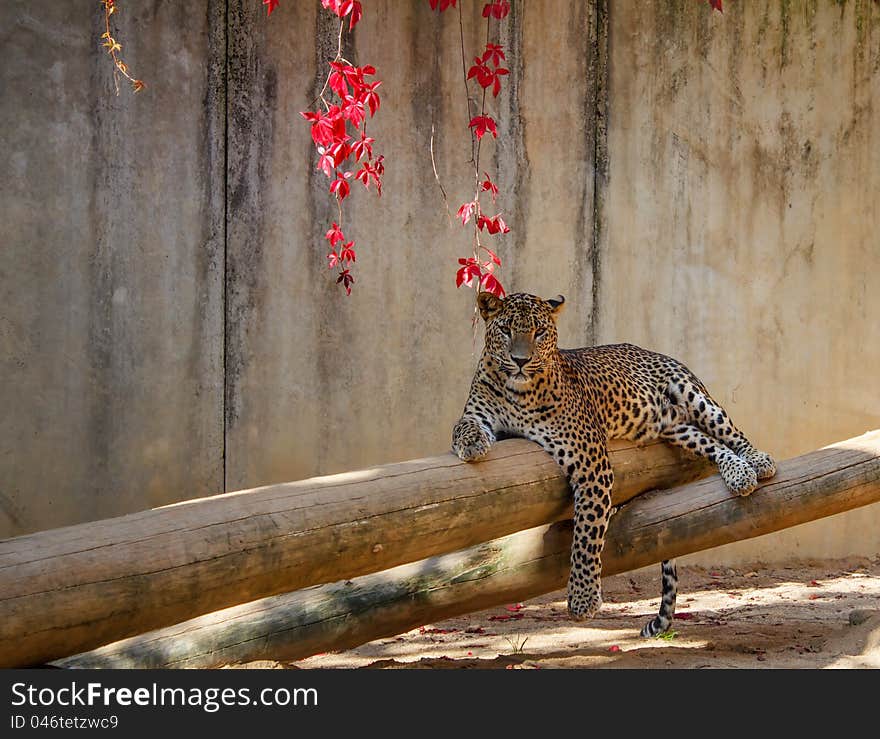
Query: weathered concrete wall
(167, 317)
(318, 382)
(111, 289)
(741, 216)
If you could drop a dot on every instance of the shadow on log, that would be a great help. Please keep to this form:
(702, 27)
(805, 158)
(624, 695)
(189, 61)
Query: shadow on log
(655, 526)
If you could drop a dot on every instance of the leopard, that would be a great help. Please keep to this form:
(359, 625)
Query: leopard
(571, 402)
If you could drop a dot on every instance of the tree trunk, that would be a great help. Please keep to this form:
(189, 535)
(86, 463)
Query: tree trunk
(655, 526)
(68, 590)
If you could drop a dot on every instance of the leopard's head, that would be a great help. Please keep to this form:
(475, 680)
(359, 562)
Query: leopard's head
(520, 333)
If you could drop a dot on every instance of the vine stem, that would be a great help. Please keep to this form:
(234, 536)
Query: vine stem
(482, 112)
(467, 97)
(476, 213)
(476, 143)
(337, 58)
(119, 67)
(437, 177)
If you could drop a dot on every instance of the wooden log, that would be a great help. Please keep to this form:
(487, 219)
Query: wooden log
(69, 590)
(653, 527)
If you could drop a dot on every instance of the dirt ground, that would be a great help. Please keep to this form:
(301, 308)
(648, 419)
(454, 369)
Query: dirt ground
(822, 614)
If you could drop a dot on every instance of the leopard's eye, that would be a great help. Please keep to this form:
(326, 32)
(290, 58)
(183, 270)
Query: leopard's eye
(540, 333)
(505, 331)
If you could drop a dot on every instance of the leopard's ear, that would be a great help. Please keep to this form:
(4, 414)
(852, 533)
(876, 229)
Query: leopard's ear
(556, 305)
(489, 305)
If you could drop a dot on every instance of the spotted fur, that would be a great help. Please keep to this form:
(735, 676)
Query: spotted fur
(571, 401)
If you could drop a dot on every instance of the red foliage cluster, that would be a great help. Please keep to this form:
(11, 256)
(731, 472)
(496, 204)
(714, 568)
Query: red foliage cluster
(345, 152)
(342, 8)
(339, 133)
(343, 156)
(477, 269)
(489, 76)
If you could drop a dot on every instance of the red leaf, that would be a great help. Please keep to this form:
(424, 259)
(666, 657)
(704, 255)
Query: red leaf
(368, 171)
(363, 148)
(487, 186)
(478, 69)
(334, 235)
(332, 260)
(270, 6)
(498, 9)
(339, 187)
(327, 128)
(487, 77)
(326, 162)
(340, 151)
(481, 124)
(491, 284)
(346, 254)
(444, 4)
(508, 617)
(353, 109)
(814, 584)
(356, 13)
(717, 5)
(337, 79)
(514, 607)
(346, 279)
(493, 256)
(684, 616)
(343, 8)
(493, 225)
(614, 648)
(468, 272)
(496, 83)
(466, 211)
(495, 53)
(368, 96)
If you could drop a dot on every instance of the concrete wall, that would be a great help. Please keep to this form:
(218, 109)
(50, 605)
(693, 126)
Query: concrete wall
(318, 382)
(741, 215)
(111, 279)
(683, 193)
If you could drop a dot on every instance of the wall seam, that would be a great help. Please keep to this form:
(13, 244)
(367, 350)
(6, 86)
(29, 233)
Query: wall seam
(225, 229)
(600, 159)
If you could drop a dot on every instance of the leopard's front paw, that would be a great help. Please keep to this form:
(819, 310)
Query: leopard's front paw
(738, 475)
(584, 602)
(469, 441)
(762, 463)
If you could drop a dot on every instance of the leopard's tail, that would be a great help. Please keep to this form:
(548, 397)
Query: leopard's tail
(663, 620)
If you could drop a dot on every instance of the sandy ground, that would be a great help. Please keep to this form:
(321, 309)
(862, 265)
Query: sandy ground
(806, 615)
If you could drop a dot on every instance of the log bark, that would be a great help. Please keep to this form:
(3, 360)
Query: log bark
(653, 527)
(69, 590)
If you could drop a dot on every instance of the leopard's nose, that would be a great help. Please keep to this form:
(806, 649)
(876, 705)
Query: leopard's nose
(520, 361)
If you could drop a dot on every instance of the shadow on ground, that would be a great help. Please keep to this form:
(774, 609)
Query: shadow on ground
(817, 614)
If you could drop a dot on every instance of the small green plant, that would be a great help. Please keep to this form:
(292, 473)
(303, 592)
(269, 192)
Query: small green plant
(667, 635)
(516, 647)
